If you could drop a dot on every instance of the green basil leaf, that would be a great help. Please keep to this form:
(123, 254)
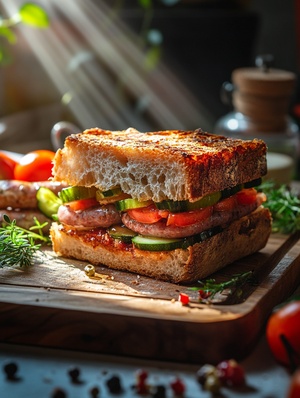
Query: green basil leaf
(34, 15)
(8, 34)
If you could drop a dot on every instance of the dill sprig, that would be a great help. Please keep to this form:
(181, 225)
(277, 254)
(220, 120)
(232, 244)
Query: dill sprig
(18, 246)
(210, 287)
(284, 207)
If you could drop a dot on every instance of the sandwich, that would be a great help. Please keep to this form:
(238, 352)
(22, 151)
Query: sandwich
(172, 205)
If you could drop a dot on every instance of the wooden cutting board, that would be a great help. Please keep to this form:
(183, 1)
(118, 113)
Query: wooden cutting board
(55, 304)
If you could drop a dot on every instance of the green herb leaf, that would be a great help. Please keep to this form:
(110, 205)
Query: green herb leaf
(34, 15)
(284, 207)
(17, 245)
(8, 34)
(210, 287)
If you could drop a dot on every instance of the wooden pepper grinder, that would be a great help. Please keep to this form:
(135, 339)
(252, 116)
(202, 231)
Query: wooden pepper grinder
(261, 97)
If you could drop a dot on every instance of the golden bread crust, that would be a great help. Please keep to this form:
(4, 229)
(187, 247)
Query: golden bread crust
(242, 238)
(172, 164)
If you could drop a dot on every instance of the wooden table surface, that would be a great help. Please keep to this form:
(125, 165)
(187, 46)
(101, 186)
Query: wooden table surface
(41, 371)
(55, 304)
(39, 334)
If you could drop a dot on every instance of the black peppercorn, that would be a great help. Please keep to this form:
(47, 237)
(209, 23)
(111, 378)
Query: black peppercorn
(74, 374)
(158, 392)
(114, 385)
(58, 393)
(10, 369)
(94, 392)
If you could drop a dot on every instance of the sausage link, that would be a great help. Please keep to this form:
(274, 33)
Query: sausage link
(99, 216)
(160, 229)
(22, 194)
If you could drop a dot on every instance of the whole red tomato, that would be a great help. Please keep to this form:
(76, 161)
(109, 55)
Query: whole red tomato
(7, 167)
(35, 166)
(283, 334)
(294, 388)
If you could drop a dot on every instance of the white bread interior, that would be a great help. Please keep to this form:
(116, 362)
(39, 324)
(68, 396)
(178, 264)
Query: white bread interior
(242, 238)
(177, 165)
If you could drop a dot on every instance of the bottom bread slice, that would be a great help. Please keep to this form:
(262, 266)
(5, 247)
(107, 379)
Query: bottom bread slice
(242, 238)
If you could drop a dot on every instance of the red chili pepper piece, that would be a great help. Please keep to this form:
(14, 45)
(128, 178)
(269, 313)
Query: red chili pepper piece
(178, 386)
(184, 298)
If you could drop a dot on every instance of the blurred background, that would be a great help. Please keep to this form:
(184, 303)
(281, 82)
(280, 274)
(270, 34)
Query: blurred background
(146, 64)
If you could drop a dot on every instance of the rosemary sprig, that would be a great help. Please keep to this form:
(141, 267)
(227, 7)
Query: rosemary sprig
(210, 287)
(284, 207)
(17, 245)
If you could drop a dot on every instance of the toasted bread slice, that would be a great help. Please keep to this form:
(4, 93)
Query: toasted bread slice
(248, 235)
(174, 165)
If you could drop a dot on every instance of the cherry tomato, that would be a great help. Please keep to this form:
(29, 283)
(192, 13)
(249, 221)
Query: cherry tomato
(283, 331)
(146, 215)
(7, 167)
(294, 388)
(35, 166)
(189, 217)
(83, 204)
(246, 196)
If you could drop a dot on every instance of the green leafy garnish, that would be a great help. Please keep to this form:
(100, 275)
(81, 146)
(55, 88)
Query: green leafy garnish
(210, 287)
(29, 14)
(18, 246)
(34, 15)
(8, 34)
(284, 207)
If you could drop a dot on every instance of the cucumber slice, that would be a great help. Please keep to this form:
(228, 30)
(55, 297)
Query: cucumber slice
(185, 205)
(76, 193)
(174, 206)
(48, 202)
(226, 193)
(129, 203)
(232, 191)
(121, 232)
(206, 201)
(157, 244)
(162, 244)
(108, 194)
(202, 236)
(253, 183)
(111, 196)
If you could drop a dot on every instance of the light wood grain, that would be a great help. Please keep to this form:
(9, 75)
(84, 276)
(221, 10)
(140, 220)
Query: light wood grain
(55, 304)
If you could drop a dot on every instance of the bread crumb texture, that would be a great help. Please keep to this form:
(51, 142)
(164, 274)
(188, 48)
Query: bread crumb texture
(170, 164)
(241, 238)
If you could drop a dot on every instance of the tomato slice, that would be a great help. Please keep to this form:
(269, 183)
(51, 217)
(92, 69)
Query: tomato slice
(246, 196)
(83, 204)
(146, 215)
(189, 217)
(151, 215)
(35, 166)
(7, 167)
